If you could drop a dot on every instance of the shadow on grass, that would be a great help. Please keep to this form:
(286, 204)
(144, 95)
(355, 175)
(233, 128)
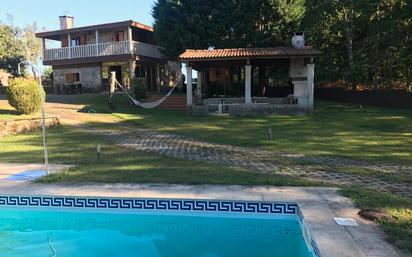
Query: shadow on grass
(9, 112)
(334, 130)
(120, 165)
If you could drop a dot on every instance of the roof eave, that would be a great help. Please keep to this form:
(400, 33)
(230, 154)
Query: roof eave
(95, 27)
(247, 57)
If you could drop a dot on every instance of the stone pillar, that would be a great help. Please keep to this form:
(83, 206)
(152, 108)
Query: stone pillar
(199, 87)
(310, 84)
(248, 84)
(189, 88)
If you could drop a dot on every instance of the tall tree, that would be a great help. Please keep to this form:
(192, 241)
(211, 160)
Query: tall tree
(17, 45)
(363, 41)
(185, 24)
(11, 48)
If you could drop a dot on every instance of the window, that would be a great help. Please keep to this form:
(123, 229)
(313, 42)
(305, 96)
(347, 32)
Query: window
(75, 41)
(118, 36)
(72, 77)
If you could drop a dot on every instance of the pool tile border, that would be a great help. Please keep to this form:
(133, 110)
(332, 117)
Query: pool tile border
(153, 204)
(191, 205)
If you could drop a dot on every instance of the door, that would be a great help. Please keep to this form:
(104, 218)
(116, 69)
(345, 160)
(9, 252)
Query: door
(118, 70)
(118, 36)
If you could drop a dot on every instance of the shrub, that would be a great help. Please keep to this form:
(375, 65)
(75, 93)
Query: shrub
(24, 95)
(139, 88)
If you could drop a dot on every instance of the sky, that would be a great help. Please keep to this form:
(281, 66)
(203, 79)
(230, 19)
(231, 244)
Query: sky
(85, 12)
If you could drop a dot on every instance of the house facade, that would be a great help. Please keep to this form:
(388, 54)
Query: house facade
(87, 55)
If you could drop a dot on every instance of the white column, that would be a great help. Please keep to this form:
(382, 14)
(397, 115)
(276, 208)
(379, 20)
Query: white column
(131, 72)
(248, 83)
(199, 87)
(43, 46)
(188, 87)
(310, 84)
(69, 44)
(97, 42)
(130, 38)
(158, 77)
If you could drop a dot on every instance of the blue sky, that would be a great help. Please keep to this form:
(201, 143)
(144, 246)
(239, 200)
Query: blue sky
(85, 12)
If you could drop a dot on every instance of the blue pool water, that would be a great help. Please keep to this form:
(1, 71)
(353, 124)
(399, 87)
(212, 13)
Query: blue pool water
(64, 233)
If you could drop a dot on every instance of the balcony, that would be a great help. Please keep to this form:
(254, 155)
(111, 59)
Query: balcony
(102, 49)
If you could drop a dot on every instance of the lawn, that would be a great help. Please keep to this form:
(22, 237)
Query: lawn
(374, 134)
(400, 230)
(119, 165)
(9, 113)
(343, 130)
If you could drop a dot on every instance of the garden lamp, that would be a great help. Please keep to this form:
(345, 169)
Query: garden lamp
(43, 124)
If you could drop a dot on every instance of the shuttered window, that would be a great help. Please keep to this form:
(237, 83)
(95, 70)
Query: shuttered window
(72, 77)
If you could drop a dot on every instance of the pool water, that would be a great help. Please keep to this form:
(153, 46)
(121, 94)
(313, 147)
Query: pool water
(64, 233)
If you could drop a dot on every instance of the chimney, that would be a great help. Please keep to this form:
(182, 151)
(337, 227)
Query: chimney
(298, 40)
(66, 22)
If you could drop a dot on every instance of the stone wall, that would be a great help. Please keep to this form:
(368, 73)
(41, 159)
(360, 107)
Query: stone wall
(10, 127)
(90, 77)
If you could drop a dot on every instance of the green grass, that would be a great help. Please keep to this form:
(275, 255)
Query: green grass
(8, 113)
(374, 134)
(121, 165)
(400, 208)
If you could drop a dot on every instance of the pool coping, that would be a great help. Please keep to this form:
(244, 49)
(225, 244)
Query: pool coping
(253, 209)
(318, 205)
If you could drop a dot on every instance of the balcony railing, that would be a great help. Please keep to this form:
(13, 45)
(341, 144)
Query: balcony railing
(102, 49)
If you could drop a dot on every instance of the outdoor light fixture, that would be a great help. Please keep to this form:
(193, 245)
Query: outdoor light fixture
(43, 125)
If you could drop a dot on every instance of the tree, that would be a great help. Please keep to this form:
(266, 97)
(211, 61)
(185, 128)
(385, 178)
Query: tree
(198, 24)
(17, 45)
(363, 42)
(31, 45)
(11, 48)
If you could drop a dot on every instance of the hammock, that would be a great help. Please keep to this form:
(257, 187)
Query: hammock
(148, 105)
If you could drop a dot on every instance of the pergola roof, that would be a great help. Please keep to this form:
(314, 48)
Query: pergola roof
(245, 53)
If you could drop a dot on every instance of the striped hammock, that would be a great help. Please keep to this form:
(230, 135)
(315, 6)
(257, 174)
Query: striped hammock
(147, 105)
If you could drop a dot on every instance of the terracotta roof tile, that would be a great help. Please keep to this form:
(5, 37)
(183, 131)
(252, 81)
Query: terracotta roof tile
(192, 54)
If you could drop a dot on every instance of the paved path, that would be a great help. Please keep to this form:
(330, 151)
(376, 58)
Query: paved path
(28, 171)
(325, 169)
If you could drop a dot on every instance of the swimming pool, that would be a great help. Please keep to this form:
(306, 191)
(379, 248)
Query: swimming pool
(85, 226)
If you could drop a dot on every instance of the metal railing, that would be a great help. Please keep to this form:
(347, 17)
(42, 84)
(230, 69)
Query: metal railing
(102, 49)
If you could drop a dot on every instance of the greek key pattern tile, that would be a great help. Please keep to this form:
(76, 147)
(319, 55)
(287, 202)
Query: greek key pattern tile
(315, 248)
(152, 204)
(187, 205)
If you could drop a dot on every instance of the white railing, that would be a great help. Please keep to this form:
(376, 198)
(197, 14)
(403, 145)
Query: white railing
(144, 49)
(113, 48)
(102, 49)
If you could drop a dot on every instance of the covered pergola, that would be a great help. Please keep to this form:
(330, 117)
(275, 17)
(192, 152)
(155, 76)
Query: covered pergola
(235, 81)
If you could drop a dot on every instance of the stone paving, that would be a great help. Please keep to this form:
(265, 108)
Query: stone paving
(323, 169)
